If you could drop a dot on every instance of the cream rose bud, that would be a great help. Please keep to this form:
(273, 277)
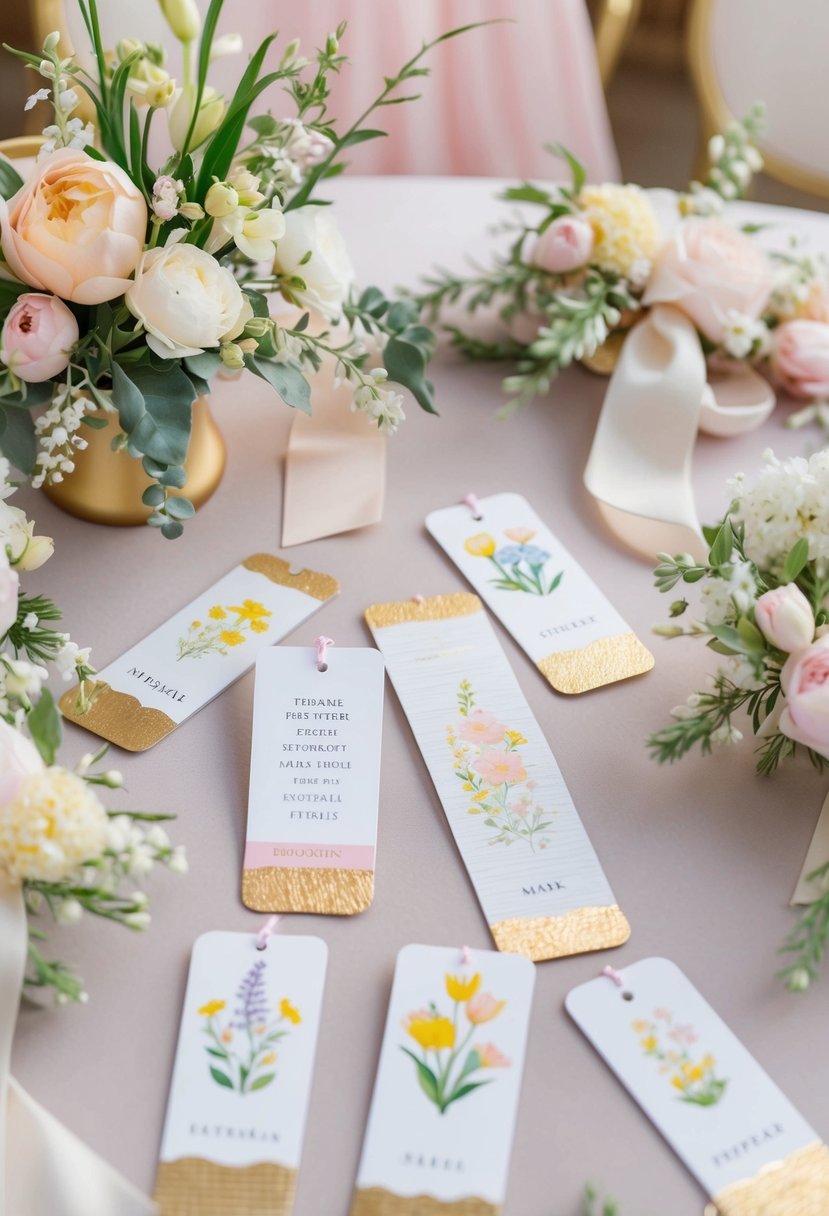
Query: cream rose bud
(709, 270)
(564, 246)
(800, 358)
(328, 272)
(785, 618)
(186, 301)
(9, 587)
(805, 682)
(37, 336)
(18, 759)
(76, 228)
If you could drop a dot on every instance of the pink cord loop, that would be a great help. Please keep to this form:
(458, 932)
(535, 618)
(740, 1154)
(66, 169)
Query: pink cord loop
(471, 501)
(417, 599)
(265, 932)
(322, 643)
(466, 956)
(612, 974)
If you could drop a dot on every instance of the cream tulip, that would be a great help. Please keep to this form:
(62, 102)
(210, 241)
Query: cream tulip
(211, 113)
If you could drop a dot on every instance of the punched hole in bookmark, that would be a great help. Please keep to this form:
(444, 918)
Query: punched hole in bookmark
(322, 644)
(471, 501)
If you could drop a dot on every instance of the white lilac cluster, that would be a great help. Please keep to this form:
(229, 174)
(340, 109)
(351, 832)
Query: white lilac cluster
(64, 132)
(788, 500)
(381, 406)
(58, 438)
(731, 595)
(293, 150)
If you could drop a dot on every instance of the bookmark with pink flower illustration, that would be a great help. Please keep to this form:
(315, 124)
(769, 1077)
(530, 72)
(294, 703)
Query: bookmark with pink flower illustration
(244, 1062)
(748, 1147)
(540, 593)
(530, 860)
(442, 1117)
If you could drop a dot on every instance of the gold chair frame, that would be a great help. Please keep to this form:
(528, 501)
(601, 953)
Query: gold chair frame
(614, 23)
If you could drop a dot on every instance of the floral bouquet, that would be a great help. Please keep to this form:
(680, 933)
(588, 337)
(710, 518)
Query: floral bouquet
(59, 846)
(127, 286)
(763, 605)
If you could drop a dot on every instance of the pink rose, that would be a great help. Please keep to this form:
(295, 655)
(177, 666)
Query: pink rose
(9, 583)
(76, 228)
(708, 270)
(481, 727)
(800, 357)
(563, 247)
(37, 336)
(805, 681)
(18, 759)
(498, 767)
(785, 617)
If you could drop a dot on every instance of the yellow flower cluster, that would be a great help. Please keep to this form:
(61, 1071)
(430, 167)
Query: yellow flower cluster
(289, 1011)
(53, 825)
(211, 1008)
(430, 1030)
(690, 1073)
(624, 226)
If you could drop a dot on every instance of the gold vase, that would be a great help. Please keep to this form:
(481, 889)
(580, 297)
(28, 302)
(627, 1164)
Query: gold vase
(106, 486)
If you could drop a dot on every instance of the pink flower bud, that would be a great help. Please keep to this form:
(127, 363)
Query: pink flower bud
(38, 334)
(563, 247)
(785, 618)
(805, 681)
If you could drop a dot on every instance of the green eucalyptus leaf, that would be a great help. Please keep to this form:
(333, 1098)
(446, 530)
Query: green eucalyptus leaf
(171, 529)
(207, 363)
(796, 561)
(163, 431)
(720, 551)
(174, 476)
(17, 437)
(153, 496)
(179, 507)
(406, 364)
(288, 381)
(127, 399)
(45, 727)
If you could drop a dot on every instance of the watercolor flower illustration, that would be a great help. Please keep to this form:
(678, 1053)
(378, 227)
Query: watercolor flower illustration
(223, 629)
(489, 765)
(450, 1066)
(520, 565)
(670, 1043)
(242, 1048)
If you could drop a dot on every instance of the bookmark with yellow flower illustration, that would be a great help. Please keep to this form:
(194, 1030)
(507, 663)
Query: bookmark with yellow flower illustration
(442, 1117)
(176, 670)
(314, 780)
(539, 592)
(244, 1062)
(748, 1147)
(535, 872)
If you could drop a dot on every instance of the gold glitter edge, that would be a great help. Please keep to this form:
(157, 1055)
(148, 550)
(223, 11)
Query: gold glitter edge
(310, 582)
(797, 1185)
(436, 608)
(329, 892)
(602, 662)
(576, 932)
(195, 1185)
(375, 1201)
(117, 717)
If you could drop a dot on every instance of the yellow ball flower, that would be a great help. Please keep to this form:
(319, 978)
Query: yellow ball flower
(211, 1008)
(460, 989)
(217, 613)
(259, 626)
(480, 545)
(53, 824)
(289, 1011)
(270, 1058)
(625, 227)
(231, 637)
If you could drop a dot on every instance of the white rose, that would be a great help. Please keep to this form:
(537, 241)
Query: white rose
(25, 550)
(186, 301)
(9, 583)
(328, 273)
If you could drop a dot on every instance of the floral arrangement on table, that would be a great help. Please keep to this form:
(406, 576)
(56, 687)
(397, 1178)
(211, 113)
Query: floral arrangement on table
(455, 1070)
(249, 1065)
(574, 280)
(126, 287)
(58, 842)
(490, 768)
(763, 604)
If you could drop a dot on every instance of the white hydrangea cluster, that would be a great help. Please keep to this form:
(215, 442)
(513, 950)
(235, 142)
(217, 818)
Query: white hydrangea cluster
(788, 500)
(381, 406)
(51, 827)
(57, 436)
(745, 336)
(722, 599)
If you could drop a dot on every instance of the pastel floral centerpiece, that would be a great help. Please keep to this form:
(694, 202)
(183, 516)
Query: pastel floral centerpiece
(128, 285)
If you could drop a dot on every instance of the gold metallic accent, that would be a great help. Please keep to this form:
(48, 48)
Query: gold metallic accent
(436, 608)
(602, 662)
(576, 932)
(605, 357)
(304, 889)
(374, 1201)
(613, 26)
(117, 716)
(192, 1186)
(796, 1186)
(311, 582)
(715, 113)
(106, 486)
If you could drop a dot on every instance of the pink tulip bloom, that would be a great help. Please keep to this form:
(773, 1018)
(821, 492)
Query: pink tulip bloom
(483, 1007)
(491, 1057)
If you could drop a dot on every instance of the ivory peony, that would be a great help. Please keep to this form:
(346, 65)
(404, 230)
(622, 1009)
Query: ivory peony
(76, 228)
(53, 823)
(37, 336)
(328, 273)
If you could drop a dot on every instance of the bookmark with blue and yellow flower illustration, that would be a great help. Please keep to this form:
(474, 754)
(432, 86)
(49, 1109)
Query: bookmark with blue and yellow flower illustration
(176, 670)
(539, 592)
(244, 1062)
(738, 1134)
(314, 780)
(535, 872)
(442, 1117)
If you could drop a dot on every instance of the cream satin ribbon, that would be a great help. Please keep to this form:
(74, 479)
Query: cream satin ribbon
(46, 1170)
(639, 469)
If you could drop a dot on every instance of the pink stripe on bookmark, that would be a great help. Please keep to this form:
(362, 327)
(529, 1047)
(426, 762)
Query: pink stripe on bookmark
(261, 853)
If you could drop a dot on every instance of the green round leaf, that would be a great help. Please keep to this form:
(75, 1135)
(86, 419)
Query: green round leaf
(153, 496)
(180, 508)
(172, 529)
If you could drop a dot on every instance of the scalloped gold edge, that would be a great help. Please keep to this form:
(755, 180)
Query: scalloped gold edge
(576, 932)
(117, 717)
(195, 1185)
(330, 892)
(602, 662)
(436, 608)
(310, 582)
(797, 1185)
(375, 1201)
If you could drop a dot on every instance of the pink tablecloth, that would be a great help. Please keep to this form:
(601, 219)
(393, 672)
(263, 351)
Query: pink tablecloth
(702, 857)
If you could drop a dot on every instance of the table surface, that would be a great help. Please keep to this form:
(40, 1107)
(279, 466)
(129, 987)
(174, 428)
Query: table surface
(702, 856)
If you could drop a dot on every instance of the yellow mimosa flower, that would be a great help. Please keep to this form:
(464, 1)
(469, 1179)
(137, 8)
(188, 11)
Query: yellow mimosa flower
(259, 626)
(217, 613)
(516, 738)
(480, 545)
(195, 624)
(430, 1030)
(212, 1007)
(467, 785)
(231, 637)
(678, 1082)
(649, 1043)
(289, 1011)
(481, 795)
(250, 610)
(270, 1058)
(461, 989)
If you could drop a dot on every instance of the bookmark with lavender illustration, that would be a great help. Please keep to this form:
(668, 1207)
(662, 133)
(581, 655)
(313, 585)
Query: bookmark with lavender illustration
(442, 1117)
(159, 683)
(314, 781)
(743, 1140)
(536, 875)
(242, 1076)
(539, 592)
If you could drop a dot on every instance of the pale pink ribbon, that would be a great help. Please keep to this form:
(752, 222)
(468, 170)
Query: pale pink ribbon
(45, 1169)
(639, 468)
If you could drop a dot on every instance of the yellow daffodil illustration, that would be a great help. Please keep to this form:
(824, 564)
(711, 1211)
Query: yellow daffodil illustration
(461, 989)
(227, 628)
(670, 1043)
